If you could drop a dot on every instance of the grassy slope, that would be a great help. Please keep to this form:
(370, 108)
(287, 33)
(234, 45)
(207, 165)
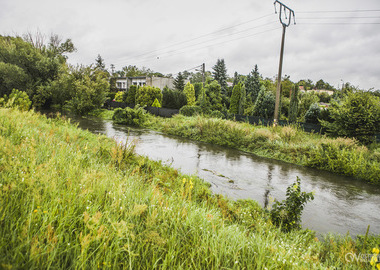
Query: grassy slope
(71, 199)
(291, 144)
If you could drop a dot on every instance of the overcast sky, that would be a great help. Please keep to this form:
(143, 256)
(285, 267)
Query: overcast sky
(169, 36)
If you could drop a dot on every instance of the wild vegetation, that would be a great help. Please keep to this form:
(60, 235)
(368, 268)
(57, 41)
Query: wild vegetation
(71, 199)
(290, 143)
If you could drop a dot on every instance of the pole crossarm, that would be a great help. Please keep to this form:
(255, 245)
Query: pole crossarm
(286, 11)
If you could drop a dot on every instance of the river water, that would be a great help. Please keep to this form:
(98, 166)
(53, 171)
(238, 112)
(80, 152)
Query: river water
(341, 204)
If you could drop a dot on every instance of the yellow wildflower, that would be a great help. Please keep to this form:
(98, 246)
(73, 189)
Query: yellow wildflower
(45, 212)
(35, 211)
(374, 260)
(375, 250)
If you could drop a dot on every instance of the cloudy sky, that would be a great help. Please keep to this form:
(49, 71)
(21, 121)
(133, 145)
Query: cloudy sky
(337, 41)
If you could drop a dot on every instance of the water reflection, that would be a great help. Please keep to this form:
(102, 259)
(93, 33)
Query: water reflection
(341, 204)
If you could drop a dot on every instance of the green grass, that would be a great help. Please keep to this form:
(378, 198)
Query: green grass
(70, 199)
(291, 144)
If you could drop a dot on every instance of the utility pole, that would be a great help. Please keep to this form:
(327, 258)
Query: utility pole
(204, 74)
(203, 71)
(285, 16)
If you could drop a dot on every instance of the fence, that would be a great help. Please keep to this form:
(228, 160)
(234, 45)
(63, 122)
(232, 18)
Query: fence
(163, 112)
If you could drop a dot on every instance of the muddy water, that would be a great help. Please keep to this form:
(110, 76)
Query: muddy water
(341, 204)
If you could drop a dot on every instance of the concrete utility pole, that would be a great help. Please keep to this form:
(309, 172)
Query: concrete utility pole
(204, 74)
(285, 16)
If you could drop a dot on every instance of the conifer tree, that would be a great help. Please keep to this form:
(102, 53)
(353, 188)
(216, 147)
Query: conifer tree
(190, 94)
(220, 75)
(253, 84)
(179, 82)
(235, 99)
(242, 99)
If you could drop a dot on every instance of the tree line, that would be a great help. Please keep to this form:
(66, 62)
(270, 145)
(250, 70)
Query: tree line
(40, 69)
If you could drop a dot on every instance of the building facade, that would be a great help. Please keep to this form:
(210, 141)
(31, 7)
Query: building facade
(123, 83)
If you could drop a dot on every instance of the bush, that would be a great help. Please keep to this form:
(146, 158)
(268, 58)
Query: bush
(119, 97)
(156, 103)
(312, 115)
(146, 95)
(129, 116)
(287, 214)
(173, 99)
(131, 94)
(190, 110)
(217, 114)
(357, 116)
(17, 99)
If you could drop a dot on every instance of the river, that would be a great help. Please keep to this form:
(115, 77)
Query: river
(341, 204)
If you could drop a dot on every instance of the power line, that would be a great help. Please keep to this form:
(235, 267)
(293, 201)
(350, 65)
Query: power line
(336, 18)
(341, 23)
(196, 44)
(341, 11)
(212, 45)
(199, 37)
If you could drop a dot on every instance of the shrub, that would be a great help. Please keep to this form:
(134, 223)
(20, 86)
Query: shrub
(129, 116)
(312, 115)
(156, 103)
(264, 105)
(119, 96)
(287, 214)
(173, 99)
(217, 114)
(357, 116)
(190, 94)
(190, 110)
(146, 95)
(131, 94)
(17, 99)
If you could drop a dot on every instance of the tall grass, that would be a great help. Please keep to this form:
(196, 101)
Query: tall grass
(70, 199)
(291, 144)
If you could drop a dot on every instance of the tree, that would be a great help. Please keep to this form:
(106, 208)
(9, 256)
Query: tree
(214, 96)
(173, 99)
(264, 105)
(99, 63)
(242, 100)
(131, 94)
(307, 84)
(30, 65)
(286, 86)
(179, 82)
(190, 94)
(89, 89)
(238, 99)
(293, 106)
(236, 79)
(320, 84)
(307, 99)
(252, 84)
(356, 116)
(312, 115)
(146, 95)
(235, 98)
(220, 75)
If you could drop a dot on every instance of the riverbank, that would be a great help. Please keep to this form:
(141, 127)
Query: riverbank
(72, 199)
(343, 156)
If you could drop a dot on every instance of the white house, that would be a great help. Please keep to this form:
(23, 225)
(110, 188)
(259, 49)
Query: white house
(123, 83)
